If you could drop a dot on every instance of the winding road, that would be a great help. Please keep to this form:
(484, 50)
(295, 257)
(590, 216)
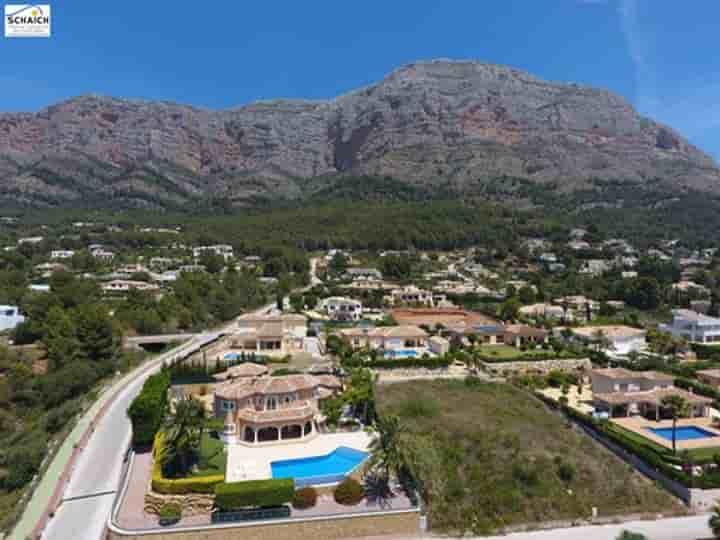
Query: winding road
(95, 476)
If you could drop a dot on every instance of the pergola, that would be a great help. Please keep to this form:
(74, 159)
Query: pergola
(650, 402)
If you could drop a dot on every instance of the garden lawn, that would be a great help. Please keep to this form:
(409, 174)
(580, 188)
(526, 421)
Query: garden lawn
(212, 457)
(506, 352)
(489, 455)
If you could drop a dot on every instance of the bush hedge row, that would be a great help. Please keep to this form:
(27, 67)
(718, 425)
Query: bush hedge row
(180, 486)
(646, 452)
(254, 493)
(437, 362)
(147, 409)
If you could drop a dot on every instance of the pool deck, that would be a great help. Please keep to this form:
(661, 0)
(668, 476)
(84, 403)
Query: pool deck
(253, 463)
(641, 426)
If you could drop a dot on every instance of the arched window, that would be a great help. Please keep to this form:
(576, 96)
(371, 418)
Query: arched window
(267, 434)
(249, 435)
(292, 432)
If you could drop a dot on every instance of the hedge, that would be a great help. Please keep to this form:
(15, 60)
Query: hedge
(180, 486)
(697, 387)
(254, 493)
(147, 409)
(644, 451)
(413, 362)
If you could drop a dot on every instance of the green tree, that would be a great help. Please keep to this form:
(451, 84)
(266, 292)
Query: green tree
(182, 429)
(678, 407)
(60, 338)
(386, 449)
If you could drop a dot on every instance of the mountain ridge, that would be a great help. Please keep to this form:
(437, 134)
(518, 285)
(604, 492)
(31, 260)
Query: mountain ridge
(440, 121)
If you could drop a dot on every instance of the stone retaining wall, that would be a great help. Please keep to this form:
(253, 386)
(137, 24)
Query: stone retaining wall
(538, 366)
(400, 524)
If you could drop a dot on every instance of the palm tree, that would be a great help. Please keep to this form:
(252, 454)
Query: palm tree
(183, 429)
(386, 449)
(714, 522)
(678, 407)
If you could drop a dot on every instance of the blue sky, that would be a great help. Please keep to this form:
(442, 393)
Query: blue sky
(660, 54)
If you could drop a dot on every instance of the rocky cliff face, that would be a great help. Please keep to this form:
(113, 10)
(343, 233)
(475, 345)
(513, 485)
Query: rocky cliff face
(425, 123)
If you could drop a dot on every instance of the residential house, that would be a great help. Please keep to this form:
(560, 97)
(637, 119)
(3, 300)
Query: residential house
(102, 254)
(339, 308)
(223, 250)
(595, 267)
(62, 254)
(124, 285)
(10, 317)
(269, 410)
(386, 338)
(519, 335)
(621, 392)
(618, 339)
(693, 327)
(363, 274)
(268, 334)
(414, 296)
(547, 311)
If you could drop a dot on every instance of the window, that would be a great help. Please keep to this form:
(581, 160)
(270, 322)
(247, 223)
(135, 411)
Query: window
(271, 403)
(228, 405)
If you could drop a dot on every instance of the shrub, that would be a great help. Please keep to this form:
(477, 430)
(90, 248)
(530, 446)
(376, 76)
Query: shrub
(170, 512)
(566, 472)
(180, 486)
(146, 410)
(254, 493)
(349, 492)
(304, 498)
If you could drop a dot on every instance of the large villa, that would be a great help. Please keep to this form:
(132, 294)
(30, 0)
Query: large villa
(625, 393)
(270, 410)
(273, 428)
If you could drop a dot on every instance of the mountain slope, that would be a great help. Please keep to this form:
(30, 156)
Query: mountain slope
(451, 123)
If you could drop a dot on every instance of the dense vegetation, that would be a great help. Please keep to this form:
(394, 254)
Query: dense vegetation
(487, 455)
(41, 397)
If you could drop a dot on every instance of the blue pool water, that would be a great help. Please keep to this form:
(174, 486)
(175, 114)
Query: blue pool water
(326, 469)
(683, 433)
(401, 353)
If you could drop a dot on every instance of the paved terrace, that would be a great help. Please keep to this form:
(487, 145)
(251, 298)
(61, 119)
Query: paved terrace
(253, 462)
(640, 425)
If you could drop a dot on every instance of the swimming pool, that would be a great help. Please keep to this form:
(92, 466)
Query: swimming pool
(327, 469)
(401, 353)
(683, 433)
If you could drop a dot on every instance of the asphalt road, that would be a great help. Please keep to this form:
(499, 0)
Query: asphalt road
(88, 497)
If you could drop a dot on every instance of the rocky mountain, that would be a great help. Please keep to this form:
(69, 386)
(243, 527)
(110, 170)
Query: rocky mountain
(456, 123)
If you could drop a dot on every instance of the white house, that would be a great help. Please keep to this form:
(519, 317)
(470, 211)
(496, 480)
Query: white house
(620, 339)
(693, 326)
(10, 317)
(62, 254)
(224, 250)
(124, 285)
(339, 308)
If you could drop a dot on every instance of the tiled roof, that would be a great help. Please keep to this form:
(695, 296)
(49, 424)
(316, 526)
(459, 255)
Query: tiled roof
(301, 412)
(247, 387)
(654, 397)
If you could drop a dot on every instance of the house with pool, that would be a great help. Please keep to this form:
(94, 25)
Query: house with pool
(624, 393)
(273, 428)
(634, 401)
(269, 410)
(393, 341)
